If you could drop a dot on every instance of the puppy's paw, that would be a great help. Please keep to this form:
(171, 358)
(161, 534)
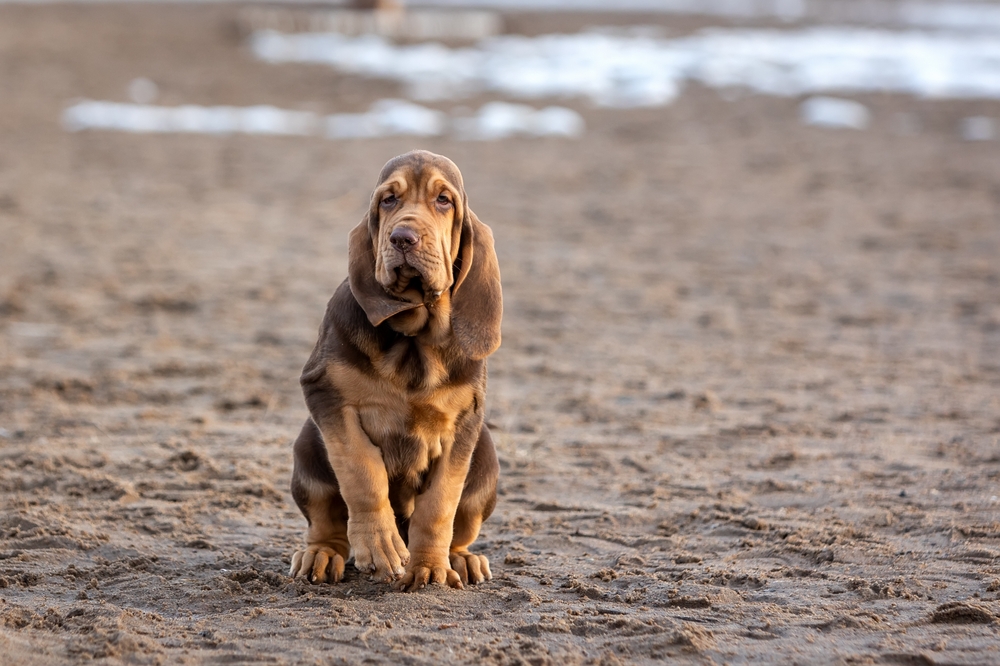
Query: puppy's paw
(471, 568)
(418, 575)
(318, 563)
(378, 549)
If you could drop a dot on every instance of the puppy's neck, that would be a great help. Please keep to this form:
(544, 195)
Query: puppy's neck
(430, 323)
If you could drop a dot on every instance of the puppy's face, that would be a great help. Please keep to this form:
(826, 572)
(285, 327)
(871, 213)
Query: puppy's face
(421, 258)
(417, 205)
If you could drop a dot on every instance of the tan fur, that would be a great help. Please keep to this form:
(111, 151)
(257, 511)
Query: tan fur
(386, 410)
(395, 389)
(418, 211)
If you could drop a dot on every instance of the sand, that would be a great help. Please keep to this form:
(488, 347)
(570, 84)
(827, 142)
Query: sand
(747, 405)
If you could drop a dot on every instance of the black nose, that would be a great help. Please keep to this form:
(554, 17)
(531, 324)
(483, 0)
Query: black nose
(404, 239)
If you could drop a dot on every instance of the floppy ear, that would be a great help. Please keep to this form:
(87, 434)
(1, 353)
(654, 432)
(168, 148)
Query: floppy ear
(476, 297)
(369, 294)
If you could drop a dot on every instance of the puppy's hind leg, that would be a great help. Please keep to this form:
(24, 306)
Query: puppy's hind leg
(479, 497)
(316, 492)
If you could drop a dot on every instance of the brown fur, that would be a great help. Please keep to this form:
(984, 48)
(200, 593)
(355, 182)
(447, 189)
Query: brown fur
(395, 463)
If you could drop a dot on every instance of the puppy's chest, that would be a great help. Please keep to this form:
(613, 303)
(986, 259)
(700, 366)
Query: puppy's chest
(412, 419)
(414, 429)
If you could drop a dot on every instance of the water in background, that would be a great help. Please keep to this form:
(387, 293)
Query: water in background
(626, 71)
(959, 58)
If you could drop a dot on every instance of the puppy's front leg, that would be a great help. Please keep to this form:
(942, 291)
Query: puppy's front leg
(432, 524)
(364, 485)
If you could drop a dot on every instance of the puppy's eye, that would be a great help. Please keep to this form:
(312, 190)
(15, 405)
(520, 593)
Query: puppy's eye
(389, 201)
(443, 200)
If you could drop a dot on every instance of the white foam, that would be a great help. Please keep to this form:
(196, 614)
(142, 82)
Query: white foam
(835, 112)
(388, 117)
(143, 118)
(499, 120)
(630, 71)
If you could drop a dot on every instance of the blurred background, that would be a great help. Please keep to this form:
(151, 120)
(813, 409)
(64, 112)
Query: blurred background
(749, 251)
(774, 179)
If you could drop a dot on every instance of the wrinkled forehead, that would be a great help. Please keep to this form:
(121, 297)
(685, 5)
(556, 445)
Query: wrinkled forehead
(421, 166)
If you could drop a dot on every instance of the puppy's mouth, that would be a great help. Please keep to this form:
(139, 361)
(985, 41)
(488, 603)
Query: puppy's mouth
(410, 285)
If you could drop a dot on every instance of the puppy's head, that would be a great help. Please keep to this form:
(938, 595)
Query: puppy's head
(415, 220)
(421, 246)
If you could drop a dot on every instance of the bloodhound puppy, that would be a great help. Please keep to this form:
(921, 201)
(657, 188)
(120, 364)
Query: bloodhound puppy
(395, 462)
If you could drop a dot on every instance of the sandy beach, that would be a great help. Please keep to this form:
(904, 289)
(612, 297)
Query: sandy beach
(747, 405)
